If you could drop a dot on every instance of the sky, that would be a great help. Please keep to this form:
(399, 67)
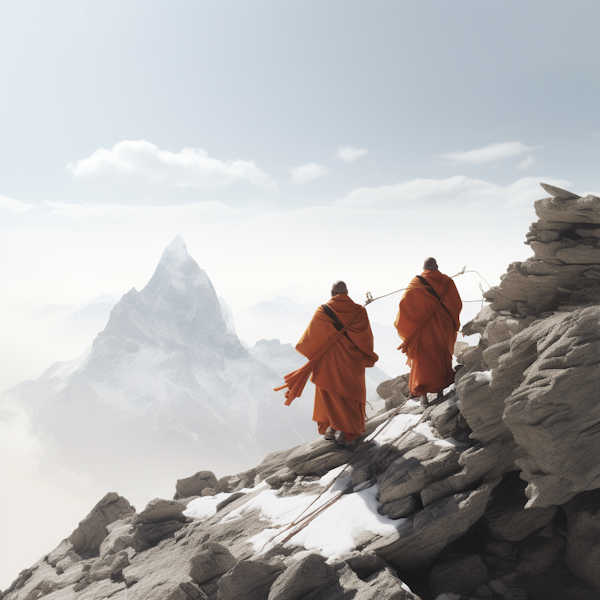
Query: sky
(290, 143)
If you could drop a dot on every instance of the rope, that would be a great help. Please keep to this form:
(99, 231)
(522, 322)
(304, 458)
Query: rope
(462, 272)
(303, 519)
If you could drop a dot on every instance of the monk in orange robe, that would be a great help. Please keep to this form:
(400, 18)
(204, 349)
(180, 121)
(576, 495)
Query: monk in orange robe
(339, 373)
(428, 321)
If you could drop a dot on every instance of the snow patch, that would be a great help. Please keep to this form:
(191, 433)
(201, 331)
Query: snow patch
(483, 376)
(392, 430)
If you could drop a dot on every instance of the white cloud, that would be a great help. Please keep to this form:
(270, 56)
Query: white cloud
(142, 163)
(527, 162)
(458, 190)
(488, 154)
(414, 191)
(308, 172)
(349, 153)
(15, 206)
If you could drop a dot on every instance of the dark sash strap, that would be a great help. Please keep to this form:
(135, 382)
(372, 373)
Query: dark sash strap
(430, 289)
(336, 321)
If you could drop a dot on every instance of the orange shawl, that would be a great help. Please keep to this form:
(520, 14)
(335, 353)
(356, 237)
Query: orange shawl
(337, 362)
(422, 318)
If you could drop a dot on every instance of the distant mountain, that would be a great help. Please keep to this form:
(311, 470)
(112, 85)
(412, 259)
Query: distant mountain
(166, 382)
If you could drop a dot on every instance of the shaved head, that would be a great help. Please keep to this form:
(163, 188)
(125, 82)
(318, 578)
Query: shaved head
(430, 264)
(339, 287)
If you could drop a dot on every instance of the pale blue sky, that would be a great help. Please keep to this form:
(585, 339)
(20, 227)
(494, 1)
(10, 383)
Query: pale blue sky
(284, 83)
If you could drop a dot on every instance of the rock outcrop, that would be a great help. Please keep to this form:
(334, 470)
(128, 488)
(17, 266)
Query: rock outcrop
(490, 493)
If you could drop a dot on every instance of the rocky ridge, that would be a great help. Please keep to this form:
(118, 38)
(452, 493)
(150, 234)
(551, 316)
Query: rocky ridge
(491, 493)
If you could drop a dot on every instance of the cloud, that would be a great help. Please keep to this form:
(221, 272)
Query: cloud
(527, 162)
(349, 153)
(15, 206)
(308, 172)
(414, 191)
(457, 190)
(488, 154)
(139, 163)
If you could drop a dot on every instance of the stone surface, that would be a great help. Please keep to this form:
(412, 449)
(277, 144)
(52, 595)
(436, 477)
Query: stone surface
(90, 533)
(422, 535)
(460, 575)
(210, 561)
(506, 517)
(161, 510)
(306, 576)
(318, 458)
(249, 579)
(399, 508)
(558, 390)
(583, 537)
(193, 486)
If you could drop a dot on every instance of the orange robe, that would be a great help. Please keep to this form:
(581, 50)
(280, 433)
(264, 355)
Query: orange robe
(429, 332)
(339, 375)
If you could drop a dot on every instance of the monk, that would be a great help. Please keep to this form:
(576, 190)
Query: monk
(428, 321)
(339, 373)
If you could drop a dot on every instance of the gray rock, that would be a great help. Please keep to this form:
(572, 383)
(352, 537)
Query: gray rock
(583, 537)
(574, 210)
(506, 517)
(193, 486)
(186, 590)
(460, 575)
(208, 492)
(229, 500)
(60, 552)
(158, 510)
(557, 192)
(366, 564)
(416, 469)
(120, 536)
(384, 585)
(70, 558)
(211, 560)
(428, 531)
(317, 458)
(559, 390)
(399, 508)
(149, 534)
(306, 576)
(537, 556)
(249, 579)
(90, 533)
(398, 385)
(499, 549)
(444, 417)
(99, 571)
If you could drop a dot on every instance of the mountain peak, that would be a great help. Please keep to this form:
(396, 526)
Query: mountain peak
(177, 250)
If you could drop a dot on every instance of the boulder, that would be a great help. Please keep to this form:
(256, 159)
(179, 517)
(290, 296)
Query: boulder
(317, 458)
(399, 508)
(212, 560)
(306, 576)
(249, 579)
(412, 472)
(559, 391)
(425, 533)
(506, 517)
(193, 486)
(90, 533)
(158, 510)
(120, 536)
(583, 537)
